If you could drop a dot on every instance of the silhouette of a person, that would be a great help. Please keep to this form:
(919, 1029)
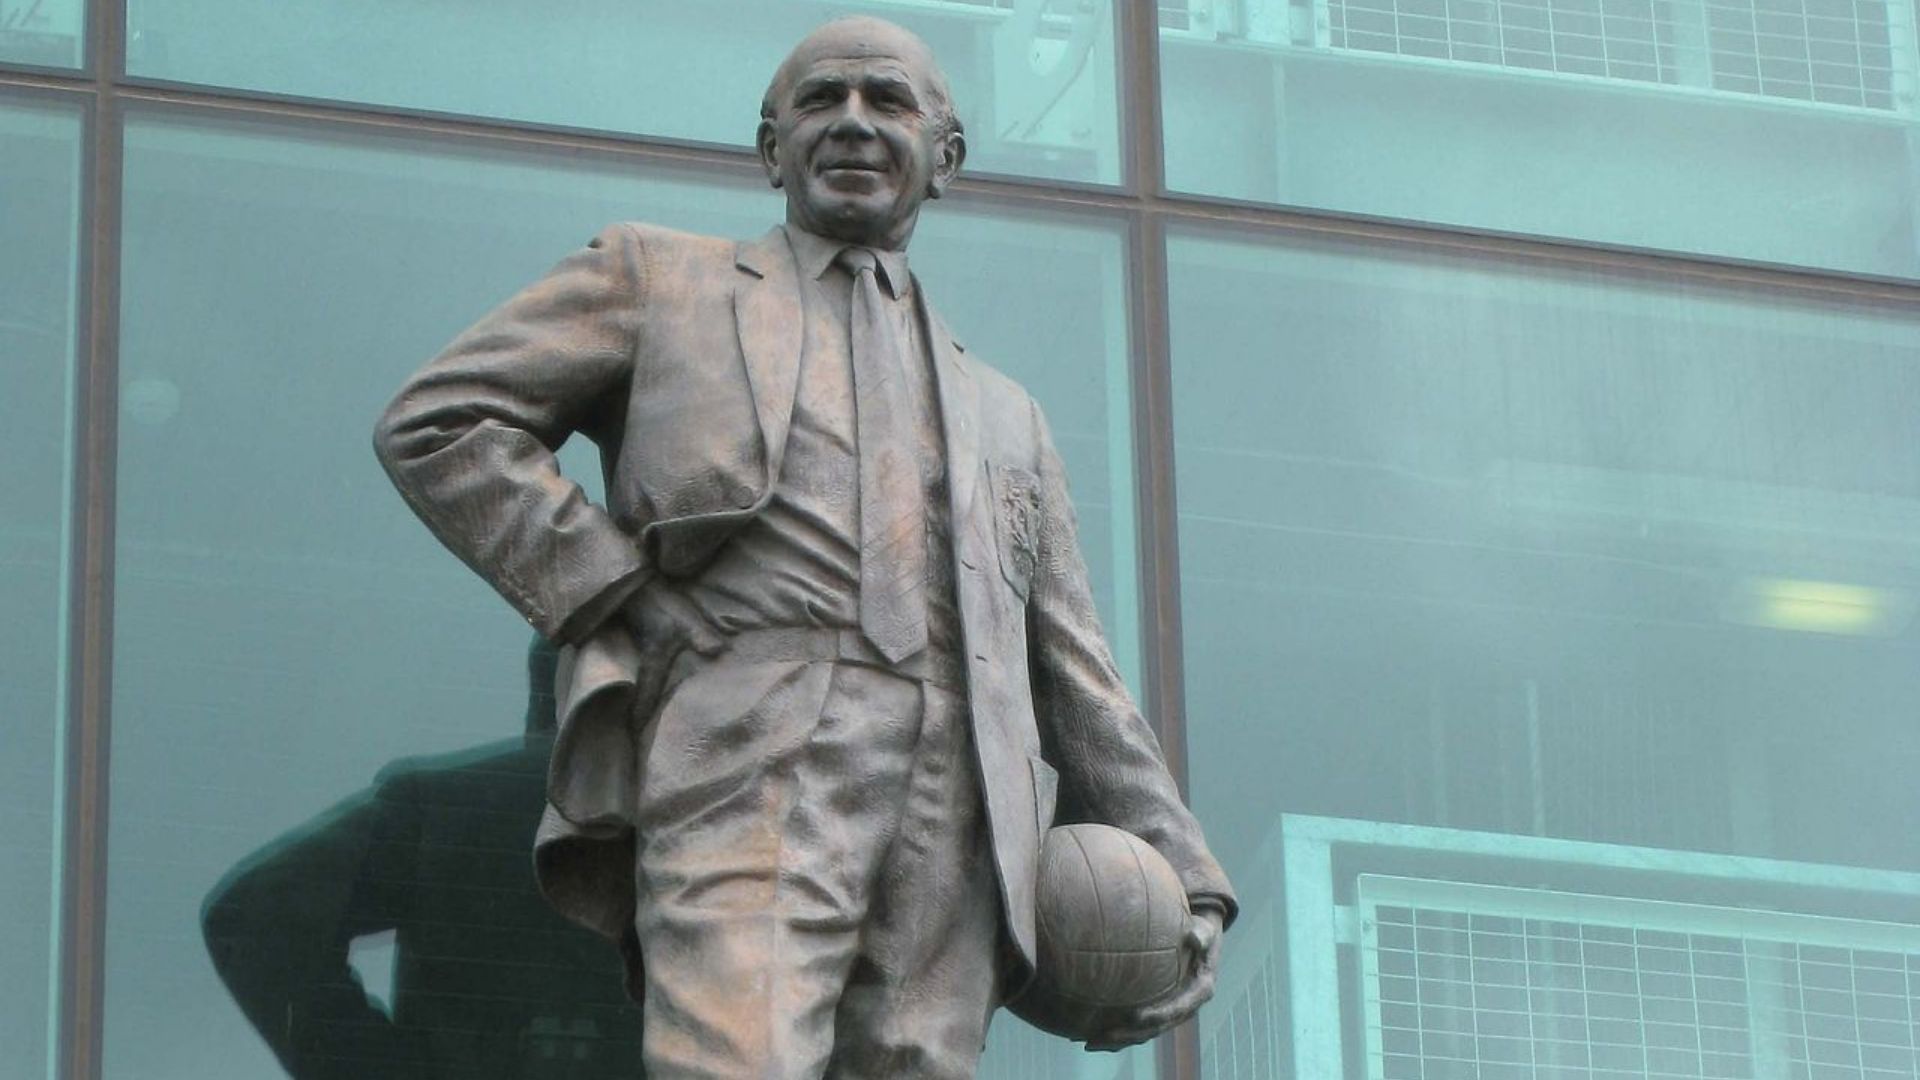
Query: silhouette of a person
(489, 982)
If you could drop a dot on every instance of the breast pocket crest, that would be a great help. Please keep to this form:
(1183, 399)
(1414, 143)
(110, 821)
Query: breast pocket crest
(1016, 518)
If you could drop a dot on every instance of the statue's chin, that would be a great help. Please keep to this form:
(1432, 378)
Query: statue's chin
(871, 219)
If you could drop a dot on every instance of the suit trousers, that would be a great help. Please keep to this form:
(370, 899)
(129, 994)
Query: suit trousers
(816, 894)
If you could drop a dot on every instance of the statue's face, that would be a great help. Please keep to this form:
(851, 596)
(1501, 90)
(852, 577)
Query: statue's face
(857, 145)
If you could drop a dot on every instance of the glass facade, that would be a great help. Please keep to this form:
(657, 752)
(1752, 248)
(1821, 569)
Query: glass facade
(1035, 81)
(46, 33)
(40, 231)
(1518, 550)
(1575, 555)
(1776, 131)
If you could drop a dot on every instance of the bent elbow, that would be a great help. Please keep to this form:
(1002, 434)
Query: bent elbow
(390, 433)
(404, 434)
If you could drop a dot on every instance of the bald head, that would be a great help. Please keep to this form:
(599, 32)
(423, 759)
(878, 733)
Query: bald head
(863, 37)
(858, 129)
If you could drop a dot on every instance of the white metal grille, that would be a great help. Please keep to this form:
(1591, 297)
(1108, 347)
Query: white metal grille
(1488, 983)
(1174, 14)
(1245, 1026)
(1836, 52)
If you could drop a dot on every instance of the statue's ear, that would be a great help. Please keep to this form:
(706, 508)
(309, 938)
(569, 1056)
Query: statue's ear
(947, 159)
(767, 142)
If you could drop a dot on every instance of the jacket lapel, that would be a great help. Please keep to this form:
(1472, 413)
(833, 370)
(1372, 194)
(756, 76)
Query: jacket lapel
(959, 409)
(766, 309)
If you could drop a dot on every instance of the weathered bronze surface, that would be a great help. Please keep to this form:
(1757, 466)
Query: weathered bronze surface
(808, 813)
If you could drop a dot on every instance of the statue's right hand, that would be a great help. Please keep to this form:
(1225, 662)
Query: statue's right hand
(663, 620)
(664, 623)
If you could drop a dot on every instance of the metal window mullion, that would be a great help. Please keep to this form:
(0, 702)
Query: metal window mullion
(1806, 39)
(1853, 999)
(1149, 347)
(1693, 993)
(91, 565)
(1606, 51)
(1163, 684)
(1553, 38)
(1906, 986)
(1653, 25)
(1473, 997)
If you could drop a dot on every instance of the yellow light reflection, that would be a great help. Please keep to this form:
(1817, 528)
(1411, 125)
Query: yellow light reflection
(1820, 607)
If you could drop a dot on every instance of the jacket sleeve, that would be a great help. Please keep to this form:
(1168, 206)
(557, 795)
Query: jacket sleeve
(1111, 767)
(470, 439)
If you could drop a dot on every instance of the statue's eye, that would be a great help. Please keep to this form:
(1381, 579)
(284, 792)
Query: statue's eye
(892, 100)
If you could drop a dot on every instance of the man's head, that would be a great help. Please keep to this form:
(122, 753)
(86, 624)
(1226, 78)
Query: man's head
(858, 128)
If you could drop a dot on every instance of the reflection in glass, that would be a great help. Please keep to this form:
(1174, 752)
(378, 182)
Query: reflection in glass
(39, 234)
(45, 33)
(284, 627)
(1769, 130)
(1513, 557)
(1034, 79)
(476, 975)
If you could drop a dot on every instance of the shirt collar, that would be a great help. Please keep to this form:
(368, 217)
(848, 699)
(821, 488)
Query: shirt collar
(816, 253)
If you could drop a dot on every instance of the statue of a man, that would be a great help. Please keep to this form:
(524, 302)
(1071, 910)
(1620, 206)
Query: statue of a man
(831, 664)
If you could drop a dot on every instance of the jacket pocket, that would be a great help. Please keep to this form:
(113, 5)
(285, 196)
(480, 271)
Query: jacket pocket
(1016, 519)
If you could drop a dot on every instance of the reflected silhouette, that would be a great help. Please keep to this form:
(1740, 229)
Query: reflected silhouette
(488, 981)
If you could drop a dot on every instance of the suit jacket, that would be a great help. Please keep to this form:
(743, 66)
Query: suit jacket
(678, 355)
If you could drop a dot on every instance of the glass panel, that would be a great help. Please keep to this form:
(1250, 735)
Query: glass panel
(45, 33)
(1533, 587)
(40, 153)
(1779, 131)
(318, 711)
(1033, 79)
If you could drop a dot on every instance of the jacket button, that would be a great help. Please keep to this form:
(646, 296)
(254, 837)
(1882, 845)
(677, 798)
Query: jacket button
(743, 496)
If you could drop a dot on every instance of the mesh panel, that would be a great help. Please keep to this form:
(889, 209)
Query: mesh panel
(1459, 992)
(1838, 52)
(1245, 1040)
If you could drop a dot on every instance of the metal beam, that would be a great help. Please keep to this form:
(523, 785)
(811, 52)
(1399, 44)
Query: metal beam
(1247, 220)
(91, 562)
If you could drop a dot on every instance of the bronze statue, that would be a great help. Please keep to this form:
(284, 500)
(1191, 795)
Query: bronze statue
(831, 666)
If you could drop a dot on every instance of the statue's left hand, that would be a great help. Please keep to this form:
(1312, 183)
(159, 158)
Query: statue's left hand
(1204, 930)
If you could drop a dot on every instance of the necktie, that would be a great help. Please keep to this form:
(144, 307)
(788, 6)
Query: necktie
(893, 524)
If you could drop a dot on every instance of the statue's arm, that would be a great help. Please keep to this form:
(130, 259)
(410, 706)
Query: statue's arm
(1111, 767)
(470, 439)
(279, 929)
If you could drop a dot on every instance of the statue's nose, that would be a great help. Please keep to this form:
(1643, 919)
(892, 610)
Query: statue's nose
(853, 121)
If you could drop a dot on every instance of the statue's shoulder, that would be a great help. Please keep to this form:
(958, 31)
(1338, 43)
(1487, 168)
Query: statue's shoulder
(409, 777)
(668, 246)
(1007, 412)
(997, 387)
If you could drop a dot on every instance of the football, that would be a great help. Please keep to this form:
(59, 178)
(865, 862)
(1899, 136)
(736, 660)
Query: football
(1111, 921)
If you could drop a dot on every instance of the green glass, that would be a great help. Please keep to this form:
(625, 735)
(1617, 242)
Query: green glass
(1518, 551)
(1775, 131)
(288, 636)
(1034, 80)
(44, 33)
(40, 153)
